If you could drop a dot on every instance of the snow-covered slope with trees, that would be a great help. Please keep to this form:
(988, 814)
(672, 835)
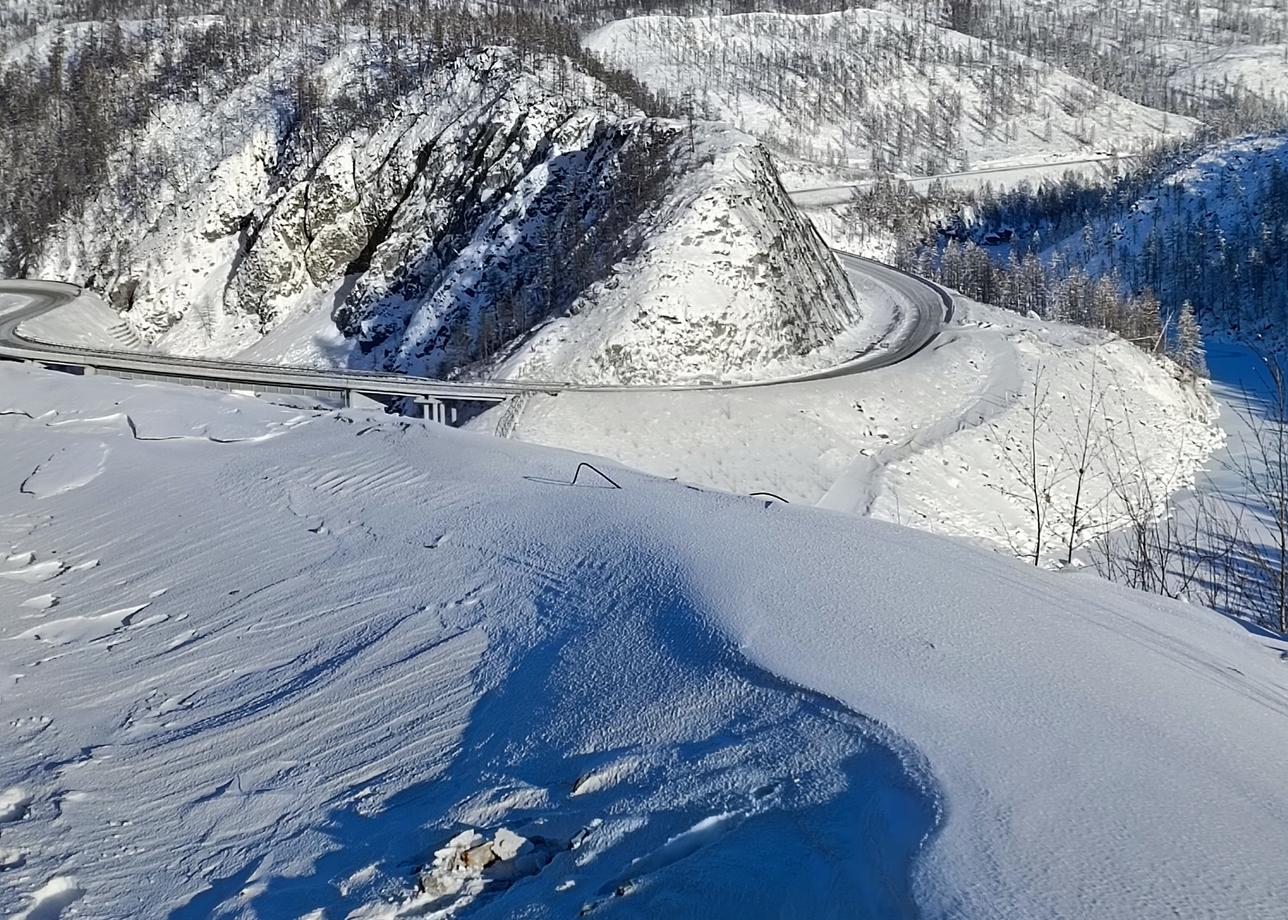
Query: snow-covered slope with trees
(1211, 232)
(427, 216)
(264, 662)
(1204, 226)
(868, 89)
(1219, 60)
(1199, 224)
(949, 440)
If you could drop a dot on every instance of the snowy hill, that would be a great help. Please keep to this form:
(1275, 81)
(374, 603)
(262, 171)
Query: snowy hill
(432, 229)
(729, 278)
(396, 670)
(863, 88)
(1210, 231)
(1202, 223)
(925, 443)
(1220, 61)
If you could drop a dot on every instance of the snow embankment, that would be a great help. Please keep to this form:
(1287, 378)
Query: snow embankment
(927, 442)
(85, 321)
(399, 670)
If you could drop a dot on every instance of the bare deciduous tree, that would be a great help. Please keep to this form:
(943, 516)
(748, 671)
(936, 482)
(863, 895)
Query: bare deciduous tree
(1037, 471)
(1081, 452)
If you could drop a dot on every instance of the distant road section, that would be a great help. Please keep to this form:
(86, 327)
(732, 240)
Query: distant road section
(824, 196)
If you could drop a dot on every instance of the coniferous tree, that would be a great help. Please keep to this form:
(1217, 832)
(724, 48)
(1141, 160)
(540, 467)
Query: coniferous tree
(1189, 341)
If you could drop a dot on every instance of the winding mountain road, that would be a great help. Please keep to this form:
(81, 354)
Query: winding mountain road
(930, 306)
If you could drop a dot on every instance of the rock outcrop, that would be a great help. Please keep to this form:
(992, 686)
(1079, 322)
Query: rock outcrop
(510, 215)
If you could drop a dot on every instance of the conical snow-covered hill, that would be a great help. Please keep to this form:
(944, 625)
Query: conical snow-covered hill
(508, 209)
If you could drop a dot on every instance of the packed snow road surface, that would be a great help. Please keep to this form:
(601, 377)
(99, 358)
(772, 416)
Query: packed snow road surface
(922, 308)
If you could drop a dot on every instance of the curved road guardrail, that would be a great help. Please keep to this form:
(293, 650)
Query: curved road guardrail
(931, 303)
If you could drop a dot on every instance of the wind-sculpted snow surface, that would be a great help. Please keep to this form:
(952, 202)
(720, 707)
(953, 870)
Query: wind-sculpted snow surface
(257, 730)
(309, 664)
(505, 192)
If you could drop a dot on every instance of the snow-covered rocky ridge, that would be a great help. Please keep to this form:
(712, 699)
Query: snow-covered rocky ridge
(730, 279)
(861, 88)
(397, 670)
(508, 192)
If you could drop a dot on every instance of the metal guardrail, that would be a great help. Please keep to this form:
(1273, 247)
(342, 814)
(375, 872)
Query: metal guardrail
(509, 420)
(24, 347)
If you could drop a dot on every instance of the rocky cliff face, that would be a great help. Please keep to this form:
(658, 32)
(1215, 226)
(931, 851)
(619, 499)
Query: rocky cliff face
(508, 215)
(727, 279)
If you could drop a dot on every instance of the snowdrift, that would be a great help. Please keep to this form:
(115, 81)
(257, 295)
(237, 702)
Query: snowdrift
(261, 661)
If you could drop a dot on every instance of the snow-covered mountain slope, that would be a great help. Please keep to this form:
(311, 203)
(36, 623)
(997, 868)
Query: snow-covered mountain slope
(506, 192)
(862, 88)
(264, 662)
(1216, 16)
(1211, 231)
(1205, 56)
(1261, 69)
(730, 279)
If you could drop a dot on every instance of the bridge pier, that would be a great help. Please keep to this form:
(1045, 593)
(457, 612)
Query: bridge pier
(356, 399)
(436, 410)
